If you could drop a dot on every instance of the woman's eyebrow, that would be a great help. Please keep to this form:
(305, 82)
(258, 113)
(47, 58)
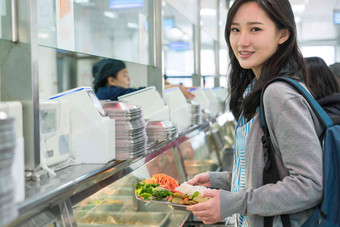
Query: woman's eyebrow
(249, 23)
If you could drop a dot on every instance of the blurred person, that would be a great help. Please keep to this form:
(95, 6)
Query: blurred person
(335, 68)
(324, 87)
(262, 41)
(97, 66)
(166, 82)
(111, 79)
(321, 78)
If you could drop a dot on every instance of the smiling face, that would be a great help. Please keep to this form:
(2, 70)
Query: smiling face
(254, 37)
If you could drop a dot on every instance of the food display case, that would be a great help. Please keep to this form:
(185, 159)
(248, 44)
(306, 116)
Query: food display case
(103, 194)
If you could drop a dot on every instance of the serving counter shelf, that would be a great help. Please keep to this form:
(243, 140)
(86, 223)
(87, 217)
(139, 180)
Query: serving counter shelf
(59, 201)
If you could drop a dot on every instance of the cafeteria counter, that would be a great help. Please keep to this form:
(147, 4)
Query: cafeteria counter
(103, 194)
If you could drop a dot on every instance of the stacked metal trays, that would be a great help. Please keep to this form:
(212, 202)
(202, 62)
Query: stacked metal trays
(161, 130)
(131, 136)
(8, 209)
(195, 113)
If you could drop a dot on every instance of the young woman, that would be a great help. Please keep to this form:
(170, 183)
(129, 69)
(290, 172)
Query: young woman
(261, 36)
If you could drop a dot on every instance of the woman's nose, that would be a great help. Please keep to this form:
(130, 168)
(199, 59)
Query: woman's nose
(244, 39)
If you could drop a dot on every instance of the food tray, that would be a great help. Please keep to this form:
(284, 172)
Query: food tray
(174, 206)
(125, 219)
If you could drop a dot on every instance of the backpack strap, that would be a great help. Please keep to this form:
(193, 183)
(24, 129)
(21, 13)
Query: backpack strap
(320, 113)
(270, 171)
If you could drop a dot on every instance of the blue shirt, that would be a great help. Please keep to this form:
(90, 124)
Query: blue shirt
(239, 177)
(113, 92)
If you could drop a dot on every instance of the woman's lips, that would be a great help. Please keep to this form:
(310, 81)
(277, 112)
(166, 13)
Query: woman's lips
(245, 54)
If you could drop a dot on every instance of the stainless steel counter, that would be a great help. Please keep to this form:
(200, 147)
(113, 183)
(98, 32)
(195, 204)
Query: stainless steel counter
(75, 183)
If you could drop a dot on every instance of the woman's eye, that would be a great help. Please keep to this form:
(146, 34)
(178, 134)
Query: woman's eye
(234, 29)
(255, 29)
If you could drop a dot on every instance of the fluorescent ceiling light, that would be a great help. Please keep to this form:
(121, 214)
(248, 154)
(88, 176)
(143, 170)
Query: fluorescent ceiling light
(43, 35)
(208, 12)
(132, 25)
(81, 1)
(297, 20)
(109, 14)
(185, 37)
(120, 4)
(298, 9)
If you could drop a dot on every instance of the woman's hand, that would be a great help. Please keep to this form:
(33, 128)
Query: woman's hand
(201, 179)
(186, 92)
(208, 212)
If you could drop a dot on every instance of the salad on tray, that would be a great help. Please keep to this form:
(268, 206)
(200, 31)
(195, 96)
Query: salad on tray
(162, 187)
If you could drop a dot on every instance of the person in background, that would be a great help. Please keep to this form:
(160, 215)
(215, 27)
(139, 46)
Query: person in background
(324, 87)
(335, 68)
(321, 78)
(111, 79)
(97, 66)
(166, 82)
(262, 43)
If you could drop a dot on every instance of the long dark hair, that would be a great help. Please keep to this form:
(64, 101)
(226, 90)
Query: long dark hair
(286, 61)
(321, 78)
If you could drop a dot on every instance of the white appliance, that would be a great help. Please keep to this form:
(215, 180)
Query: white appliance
(54, 131)
(14, 109)
(179, 108)
(201, 98)
(215, 105)
(92, 131)
(151, 102)
(222, 94)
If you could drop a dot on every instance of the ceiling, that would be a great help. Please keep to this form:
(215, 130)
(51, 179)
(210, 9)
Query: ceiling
(314, 19)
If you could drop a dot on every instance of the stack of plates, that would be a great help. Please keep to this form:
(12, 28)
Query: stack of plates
(195, 113)
(160, 130)
(8, 209)
(130, 128)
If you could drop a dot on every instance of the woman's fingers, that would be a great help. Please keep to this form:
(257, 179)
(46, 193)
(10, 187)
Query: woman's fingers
(209, 212)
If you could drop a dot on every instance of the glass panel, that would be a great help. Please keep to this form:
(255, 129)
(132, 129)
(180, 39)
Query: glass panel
(5, 19)
(187, 8)
(209, 17)
(61, 70)
(224, 58)
(208, 81)
(116, 204)
(185, 81)
(110, 28)
(199, 155)
(177, 44)
(222, 21)
(207, 57)
(209, 32)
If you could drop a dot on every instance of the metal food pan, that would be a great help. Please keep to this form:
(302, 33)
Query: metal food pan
(124, 219)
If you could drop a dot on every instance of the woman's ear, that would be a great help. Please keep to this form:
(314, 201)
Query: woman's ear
(284, 35)
(111, 81)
